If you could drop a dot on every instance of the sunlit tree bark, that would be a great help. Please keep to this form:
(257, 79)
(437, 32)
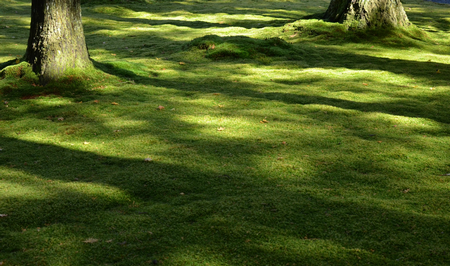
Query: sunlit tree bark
(56, 42)
(367, 13)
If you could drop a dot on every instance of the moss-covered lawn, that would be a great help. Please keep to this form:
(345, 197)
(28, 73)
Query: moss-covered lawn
(229, 133)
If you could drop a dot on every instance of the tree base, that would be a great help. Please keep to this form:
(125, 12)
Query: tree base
(56, 41)
(367, 13)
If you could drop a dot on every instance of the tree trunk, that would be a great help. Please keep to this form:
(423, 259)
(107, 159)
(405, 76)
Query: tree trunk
(367, 13)
(56, 41)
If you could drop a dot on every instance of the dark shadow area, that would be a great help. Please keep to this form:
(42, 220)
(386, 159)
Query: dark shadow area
(314, 16)
(440, 1)
(7, 63)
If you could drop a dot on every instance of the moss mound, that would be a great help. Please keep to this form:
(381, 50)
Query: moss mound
(20, 70)
(241, 47)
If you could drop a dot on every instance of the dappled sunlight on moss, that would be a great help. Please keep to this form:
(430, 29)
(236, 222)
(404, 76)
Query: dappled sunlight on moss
(315, 146)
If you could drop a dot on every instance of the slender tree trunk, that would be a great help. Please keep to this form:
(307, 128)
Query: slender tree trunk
(56, 41)
(367, 13)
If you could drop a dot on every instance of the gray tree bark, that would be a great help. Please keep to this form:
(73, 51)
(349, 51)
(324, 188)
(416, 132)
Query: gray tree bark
(56, 42)
(367, 13)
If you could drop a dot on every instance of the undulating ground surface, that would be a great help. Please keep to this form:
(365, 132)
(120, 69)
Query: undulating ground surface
(229, 133)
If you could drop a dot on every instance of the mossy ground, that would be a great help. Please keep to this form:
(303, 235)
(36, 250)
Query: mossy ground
(284, 140)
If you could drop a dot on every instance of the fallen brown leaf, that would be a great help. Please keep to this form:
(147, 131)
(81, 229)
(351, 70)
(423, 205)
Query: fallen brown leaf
(264, 121)
(114, 103)
(160, 107)
(90, 240)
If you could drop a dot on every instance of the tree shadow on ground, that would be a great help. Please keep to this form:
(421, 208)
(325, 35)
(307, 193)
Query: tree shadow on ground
(431, 107)
(214, 215)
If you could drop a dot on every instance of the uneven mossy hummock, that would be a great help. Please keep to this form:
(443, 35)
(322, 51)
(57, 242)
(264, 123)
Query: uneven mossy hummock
(242, 47)
(16, 71)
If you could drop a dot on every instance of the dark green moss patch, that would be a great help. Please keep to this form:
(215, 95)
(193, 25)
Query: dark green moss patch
(241, 47)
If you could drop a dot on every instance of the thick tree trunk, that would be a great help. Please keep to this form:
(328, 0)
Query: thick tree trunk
(367, 13)
(56, 41)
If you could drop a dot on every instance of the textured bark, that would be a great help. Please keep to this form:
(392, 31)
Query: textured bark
(56, 42)
(367, 13)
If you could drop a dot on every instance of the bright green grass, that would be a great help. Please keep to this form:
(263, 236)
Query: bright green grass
(351, 168)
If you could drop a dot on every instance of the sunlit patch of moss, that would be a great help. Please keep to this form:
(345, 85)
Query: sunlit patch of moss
(16, 70)
(15, 189)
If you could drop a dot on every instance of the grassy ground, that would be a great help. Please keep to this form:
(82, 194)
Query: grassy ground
(283, 140)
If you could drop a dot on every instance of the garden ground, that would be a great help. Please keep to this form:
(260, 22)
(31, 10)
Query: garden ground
(229, 133)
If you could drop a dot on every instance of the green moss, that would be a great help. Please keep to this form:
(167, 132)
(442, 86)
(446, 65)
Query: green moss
(20, 70)
(241, 47)
(108, 2)
(322, 146)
